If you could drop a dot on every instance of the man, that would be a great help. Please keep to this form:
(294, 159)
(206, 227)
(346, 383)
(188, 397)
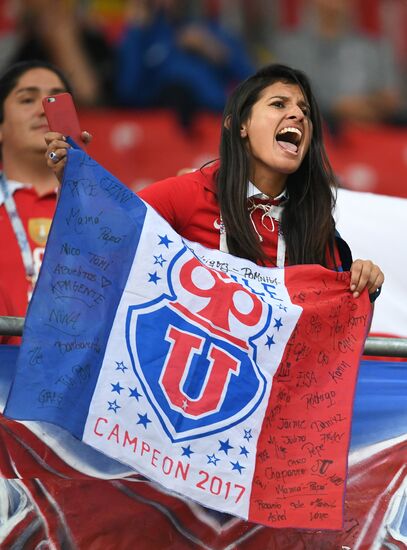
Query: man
(167, 59)
(27, 186)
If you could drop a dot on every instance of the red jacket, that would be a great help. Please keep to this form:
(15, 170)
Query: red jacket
(190, 206)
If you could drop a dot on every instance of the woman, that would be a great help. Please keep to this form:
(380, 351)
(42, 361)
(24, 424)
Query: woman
(270, 196)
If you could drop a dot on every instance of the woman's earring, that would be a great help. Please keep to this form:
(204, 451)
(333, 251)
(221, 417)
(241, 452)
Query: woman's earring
(243, 132)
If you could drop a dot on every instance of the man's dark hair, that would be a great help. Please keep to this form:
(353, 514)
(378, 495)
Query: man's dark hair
(10, 77)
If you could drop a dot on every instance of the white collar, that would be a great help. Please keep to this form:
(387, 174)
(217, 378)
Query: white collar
(253, 191)
(12, 188)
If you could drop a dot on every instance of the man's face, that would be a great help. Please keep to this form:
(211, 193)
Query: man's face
(24, 123)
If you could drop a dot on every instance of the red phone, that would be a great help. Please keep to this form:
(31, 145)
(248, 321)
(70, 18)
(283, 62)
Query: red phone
(62, 116)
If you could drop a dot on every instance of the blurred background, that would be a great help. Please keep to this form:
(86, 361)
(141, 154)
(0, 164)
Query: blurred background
(151, 77)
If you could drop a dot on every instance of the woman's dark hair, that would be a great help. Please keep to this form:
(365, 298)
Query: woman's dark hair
(307, 222)
(10, 77)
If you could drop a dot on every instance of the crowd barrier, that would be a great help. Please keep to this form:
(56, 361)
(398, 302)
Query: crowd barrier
(375, 346)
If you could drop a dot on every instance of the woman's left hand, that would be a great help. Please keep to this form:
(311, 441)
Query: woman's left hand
(57, 148)
(364, 273)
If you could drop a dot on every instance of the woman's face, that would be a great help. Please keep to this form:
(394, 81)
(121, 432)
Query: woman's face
(278, 132)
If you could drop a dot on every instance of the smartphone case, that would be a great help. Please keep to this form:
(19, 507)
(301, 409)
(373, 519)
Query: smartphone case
(62, 116)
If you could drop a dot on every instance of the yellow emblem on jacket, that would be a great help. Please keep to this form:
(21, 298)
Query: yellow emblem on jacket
(38, 229)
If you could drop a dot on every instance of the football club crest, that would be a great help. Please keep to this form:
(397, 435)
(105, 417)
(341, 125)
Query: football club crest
(194, 366)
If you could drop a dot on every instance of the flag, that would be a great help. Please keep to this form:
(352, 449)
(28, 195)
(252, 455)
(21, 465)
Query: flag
(221, 380)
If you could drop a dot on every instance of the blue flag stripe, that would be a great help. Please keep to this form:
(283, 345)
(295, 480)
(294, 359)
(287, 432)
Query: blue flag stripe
(92, 242)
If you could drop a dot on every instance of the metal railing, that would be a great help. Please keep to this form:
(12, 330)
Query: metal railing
(383, 346)
(386, 347)
(11, 326)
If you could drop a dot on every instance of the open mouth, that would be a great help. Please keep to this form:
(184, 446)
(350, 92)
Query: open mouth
(289, 139)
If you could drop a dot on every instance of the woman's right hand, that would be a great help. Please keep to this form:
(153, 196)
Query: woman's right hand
(57, 148)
